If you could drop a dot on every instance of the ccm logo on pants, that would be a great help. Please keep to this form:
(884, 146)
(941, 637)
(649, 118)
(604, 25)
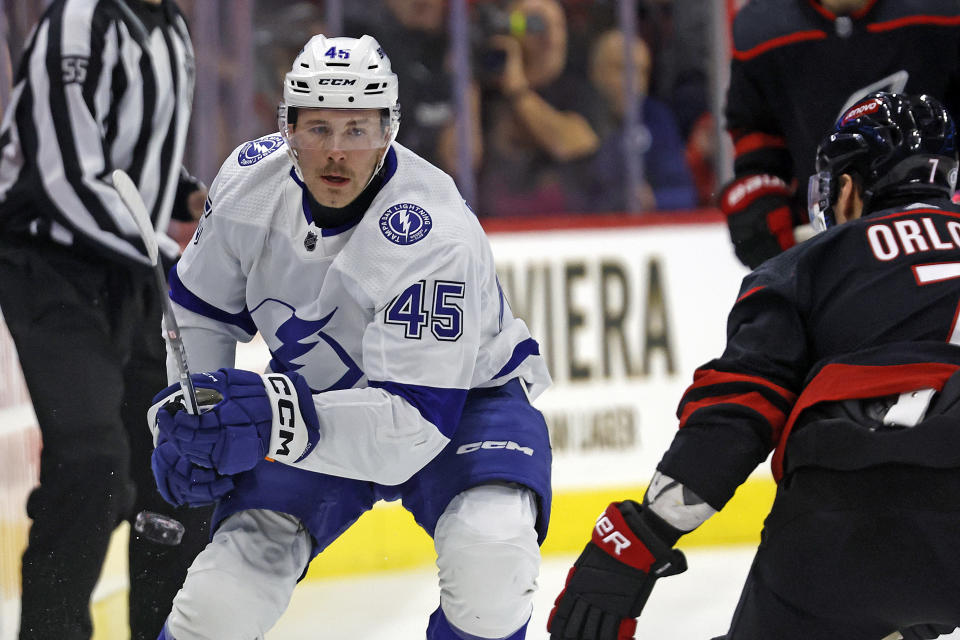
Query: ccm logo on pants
(509, 445)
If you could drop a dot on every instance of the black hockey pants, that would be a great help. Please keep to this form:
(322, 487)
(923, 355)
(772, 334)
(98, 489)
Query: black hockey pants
(88, 336)
(855, 555)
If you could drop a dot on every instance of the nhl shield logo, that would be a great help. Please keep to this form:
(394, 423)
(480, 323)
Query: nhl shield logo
(405, 223)
(256, 150)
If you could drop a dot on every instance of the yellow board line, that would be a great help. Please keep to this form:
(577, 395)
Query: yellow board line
(387, 538)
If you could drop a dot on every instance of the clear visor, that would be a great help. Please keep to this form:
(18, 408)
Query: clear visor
(337, 129)
(818, 201)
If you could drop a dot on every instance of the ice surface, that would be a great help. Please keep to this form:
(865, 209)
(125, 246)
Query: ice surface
(696, 605)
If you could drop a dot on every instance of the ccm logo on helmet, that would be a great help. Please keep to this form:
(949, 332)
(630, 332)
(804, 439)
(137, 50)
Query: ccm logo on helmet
(509, 445)
(860, 110)
(346, 82)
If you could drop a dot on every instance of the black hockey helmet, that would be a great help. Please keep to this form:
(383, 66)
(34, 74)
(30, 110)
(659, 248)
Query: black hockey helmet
(895, 145)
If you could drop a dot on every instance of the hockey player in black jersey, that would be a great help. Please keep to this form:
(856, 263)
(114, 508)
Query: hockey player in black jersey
(796, 66)
(842, 358)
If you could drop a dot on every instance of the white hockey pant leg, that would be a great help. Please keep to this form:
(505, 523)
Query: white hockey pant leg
(240, 584)
(489, 559)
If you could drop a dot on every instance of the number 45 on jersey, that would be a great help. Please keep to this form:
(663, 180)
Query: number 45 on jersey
(444, 317)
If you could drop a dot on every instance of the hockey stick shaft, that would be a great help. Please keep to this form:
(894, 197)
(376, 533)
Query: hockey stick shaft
(154, 526)
(138, 210)
(176, 345)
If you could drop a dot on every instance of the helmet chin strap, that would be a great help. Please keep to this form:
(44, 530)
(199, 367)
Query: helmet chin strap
(296, 162)
(383, 158)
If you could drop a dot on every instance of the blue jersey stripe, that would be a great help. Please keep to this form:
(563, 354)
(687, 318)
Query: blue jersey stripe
(528, 347)
(186, 299)
(440, 407)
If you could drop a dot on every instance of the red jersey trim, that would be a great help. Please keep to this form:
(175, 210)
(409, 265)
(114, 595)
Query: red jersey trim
(749, 293)
(830, 15)
(850, 382)
(753, 400)
(911, 21)
(707, 377)
(910, 212)
(781, 41)
(756, 141)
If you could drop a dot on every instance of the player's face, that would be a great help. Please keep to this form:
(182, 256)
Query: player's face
(338, 150)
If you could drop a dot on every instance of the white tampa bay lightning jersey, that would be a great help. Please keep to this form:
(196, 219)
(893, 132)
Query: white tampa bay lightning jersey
(390, 321)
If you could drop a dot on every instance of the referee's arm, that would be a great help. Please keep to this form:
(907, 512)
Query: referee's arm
(72, 68)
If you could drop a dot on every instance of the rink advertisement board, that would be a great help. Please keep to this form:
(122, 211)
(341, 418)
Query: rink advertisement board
(624, 314)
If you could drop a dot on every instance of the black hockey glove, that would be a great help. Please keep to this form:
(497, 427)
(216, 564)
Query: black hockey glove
(186, 185)
(926, 631)
(759, 215)
(613, 577)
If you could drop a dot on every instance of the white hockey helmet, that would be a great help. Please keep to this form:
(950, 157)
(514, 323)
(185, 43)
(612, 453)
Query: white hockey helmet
(340, 73)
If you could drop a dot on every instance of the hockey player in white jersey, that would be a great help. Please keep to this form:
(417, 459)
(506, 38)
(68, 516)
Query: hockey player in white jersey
(398, 370)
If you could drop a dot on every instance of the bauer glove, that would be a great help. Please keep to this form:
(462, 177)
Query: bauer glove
(613, 577)
(759, 214)
(251, 417)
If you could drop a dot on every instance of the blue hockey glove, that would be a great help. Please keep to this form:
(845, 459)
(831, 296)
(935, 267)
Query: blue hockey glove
(181, 482)
(613, 577)
(256, 416)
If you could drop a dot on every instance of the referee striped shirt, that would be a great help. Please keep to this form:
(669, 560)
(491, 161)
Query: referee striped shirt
(102, 85)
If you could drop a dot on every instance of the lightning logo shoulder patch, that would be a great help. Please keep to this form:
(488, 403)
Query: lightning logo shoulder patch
(256, 150)
(405, 223)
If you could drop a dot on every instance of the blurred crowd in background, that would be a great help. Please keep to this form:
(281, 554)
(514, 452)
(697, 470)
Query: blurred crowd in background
(547, 93)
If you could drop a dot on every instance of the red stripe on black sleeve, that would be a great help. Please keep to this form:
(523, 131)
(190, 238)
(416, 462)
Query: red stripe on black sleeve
(775, 416)
(781, 41)
(713, 389)
(707, 377)
(756, 141)
(747, 294)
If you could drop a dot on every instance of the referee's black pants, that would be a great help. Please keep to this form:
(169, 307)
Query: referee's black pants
(855, 555)
(88, 336)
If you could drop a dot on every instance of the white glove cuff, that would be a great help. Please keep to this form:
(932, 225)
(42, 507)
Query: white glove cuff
(288, 432)
(177, 397)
